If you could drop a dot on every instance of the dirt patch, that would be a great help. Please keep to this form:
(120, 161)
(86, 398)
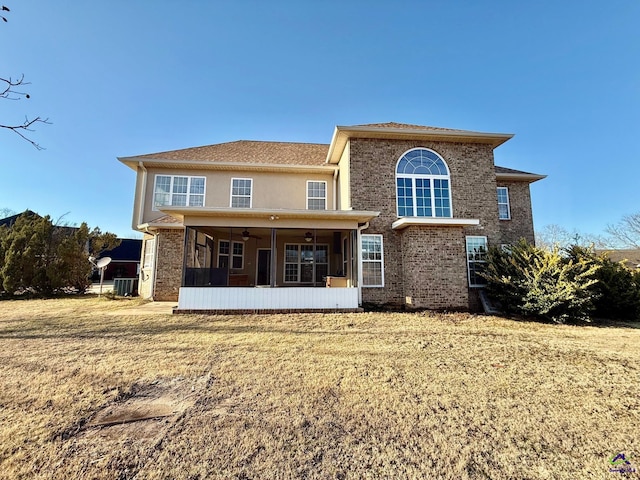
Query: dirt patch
(144, 412)
(123, 435)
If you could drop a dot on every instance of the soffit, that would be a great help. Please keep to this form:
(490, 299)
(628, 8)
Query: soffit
(405, 222)
(231, 166)
(509, 174)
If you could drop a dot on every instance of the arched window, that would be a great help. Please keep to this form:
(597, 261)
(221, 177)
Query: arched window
(422, 185)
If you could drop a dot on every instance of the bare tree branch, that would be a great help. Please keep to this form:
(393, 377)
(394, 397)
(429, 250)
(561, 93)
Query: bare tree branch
(626, 231)
(4, 9)
(25, 127)
(8, 92)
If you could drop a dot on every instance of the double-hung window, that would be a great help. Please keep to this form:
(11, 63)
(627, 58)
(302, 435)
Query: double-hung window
(178, 191)
(241, 189)
(301, 260)
(476, 260)
(422, 185)
(372, 260)
(230, 250)
(504, 211)
(316, 195)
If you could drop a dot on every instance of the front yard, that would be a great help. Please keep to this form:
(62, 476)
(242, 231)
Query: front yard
(93, 388)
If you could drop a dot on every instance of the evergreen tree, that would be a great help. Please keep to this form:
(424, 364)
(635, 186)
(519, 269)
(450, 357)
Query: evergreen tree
(38, 256)
(541, 283)
(617, 292)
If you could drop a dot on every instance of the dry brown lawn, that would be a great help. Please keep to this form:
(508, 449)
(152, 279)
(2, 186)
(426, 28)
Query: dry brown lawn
(92, 388)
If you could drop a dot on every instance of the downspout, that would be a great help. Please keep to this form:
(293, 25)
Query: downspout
(335, 189)
(143, 193)
(358, 243)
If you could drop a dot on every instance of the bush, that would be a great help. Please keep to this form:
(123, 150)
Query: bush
(545, 284)
(617, 292)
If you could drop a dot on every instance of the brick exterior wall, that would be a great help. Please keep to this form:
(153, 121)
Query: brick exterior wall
(435, 268)
(426, 263)
(521, 223)
(170, 253)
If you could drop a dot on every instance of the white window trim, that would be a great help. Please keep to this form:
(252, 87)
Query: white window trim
(466, 254)
(381, 261)
(317, 198)
(230, 255)
(299, 263)
(241, 196)
(156, 208)
(431, 177)
(508, 204)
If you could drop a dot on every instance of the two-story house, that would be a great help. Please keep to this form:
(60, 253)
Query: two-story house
(386, 214)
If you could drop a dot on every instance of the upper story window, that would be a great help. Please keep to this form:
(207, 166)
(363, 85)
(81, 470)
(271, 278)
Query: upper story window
(241, 192)
(504, 211)
(422, 185)
(316, 195)
(178, 191)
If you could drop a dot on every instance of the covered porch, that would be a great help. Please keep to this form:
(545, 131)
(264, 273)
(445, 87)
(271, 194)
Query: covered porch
(245, 260)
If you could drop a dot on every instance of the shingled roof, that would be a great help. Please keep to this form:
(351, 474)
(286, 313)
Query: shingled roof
(408, 126)
(247, 151)
(253, 152)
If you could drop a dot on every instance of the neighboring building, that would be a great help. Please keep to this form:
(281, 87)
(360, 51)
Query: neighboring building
(10, 221)
(630, 258)
(125, 260)
(386, 214)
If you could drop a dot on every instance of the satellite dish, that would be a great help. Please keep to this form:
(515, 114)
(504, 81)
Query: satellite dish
(103, 262)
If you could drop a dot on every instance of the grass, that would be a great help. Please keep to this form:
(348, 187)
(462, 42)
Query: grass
(344, 396)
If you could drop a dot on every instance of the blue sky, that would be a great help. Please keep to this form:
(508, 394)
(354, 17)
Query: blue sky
(121, 78)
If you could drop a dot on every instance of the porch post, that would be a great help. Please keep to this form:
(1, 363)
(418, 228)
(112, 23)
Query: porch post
(230, 258)
(313, 265)
(184, 257)
(358, 264)
(273, 260)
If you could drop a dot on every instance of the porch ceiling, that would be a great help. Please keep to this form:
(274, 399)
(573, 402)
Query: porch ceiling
(269, 218)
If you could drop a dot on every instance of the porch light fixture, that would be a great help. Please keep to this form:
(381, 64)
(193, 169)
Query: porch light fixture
(308, 237)
(245, 235)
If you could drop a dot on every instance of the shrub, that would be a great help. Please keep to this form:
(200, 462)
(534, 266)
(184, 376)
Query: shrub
(541, 283)
(617, 292)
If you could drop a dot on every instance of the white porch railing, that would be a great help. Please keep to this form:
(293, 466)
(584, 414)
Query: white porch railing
(248, 298)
